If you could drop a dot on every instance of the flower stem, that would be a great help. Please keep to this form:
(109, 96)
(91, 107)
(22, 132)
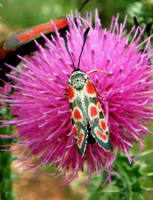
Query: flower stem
(5, 176)
(6, 191)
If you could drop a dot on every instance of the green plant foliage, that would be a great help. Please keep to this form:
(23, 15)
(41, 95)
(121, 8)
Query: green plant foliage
(127, 186)
(143, 10)
(5, 164)
(21, 14)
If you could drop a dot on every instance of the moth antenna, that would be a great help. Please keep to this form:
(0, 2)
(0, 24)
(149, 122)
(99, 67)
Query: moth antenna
(83, 4)
(98, 70)
(66, 45)
(84, 41)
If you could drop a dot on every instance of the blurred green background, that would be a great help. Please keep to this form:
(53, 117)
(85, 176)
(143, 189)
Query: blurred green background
(16, 15)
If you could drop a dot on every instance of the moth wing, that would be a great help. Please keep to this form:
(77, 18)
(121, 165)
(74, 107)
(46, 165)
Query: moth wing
(25, 36)
(80, 133)
(98, 124)
(99, 129)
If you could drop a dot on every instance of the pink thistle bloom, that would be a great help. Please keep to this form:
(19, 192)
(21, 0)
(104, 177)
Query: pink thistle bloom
(40, 103)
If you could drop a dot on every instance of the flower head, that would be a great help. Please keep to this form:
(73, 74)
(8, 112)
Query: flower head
(40, 102)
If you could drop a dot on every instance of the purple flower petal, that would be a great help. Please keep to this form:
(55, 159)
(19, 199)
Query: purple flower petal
(41, 105)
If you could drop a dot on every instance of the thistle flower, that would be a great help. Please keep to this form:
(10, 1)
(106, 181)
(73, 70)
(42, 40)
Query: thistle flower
(40, 103)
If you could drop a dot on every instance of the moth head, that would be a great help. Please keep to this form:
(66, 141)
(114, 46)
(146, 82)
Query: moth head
(78, 79)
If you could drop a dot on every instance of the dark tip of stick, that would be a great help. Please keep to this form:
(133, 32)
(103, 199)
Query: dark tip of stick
(135, 21)
(148, 28)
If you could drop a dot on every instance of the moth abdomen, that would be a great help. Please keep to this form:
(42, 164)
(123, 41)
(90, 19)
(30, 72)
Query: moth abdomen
(90, 138)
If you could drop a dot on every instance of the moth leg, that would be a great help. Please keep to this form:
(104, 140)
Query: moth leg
(98, 70)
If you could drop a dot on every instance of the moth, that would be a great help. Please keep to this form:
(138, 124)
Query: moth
(88, 121)
(23, 43)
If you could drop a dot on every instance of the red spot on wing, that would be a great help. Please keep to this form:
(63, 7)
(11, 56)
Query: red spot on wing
(43, 28)
(80, 139)
(102, 136)
(70, 92)
(77, 114)
(90, 88)
(103, 124)
(93, 111)
(75, 130)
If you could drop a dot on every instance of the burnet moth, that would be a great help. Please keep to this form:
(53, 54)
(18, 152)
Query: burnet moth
(22, 43)
(88, 121)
